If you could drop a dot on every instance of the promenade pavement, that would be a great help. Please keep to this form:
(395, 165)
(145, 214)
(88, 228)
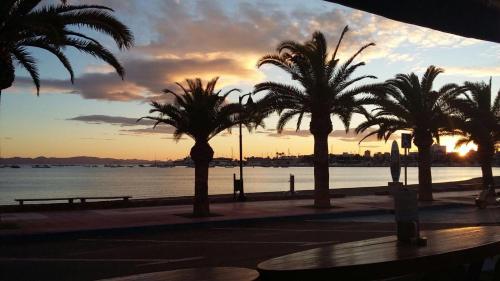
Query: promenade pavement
(120, 242)
(81, 221)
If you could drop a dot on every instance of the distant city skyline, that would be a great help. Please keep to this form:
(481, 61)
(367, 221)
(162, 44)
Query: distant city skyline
(436, 148)
(184, 39)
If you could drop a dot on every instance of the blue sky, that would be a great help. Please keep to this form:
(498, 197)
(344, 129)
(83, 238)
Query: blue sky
(186, 39)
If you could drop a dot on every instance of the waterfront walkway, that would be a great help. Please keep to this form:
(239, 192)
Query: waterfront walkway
(120, 242)
(30, 224)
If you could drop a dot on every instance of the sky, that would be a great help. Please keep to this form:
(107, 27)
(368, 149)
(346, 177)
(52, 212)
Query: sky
(178, 39)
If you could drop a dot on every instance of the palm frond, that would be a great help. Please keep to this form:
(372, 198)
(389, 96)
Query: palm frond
(429, 76)
(285, 118)
(55, 50)
(346, 28)
(29, 63)
(100, 20)
(24, 23)
(462, 141)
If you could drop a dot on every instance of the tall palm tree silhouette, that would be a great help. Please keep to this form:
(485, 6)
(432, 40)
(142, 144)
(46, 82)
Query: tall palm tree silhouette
(201, 113)
(410, 104)
(477, 120)
(23, 25)
(326, 91)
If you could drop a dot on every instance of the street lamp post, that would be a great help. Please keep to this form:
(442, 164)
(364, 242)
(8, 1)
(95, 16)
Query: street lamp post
(241, 195)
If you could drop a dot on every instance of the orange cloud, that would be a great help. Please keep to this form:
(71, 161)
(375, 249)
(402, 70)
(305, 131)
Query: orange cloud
(350, 136)
(145, 78)
(205, 39)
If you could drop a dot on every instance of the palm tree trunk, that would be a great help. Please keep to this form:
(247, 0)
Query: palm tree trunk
(202, 154)
(321, 127)
(485, 158)
(321, 172)
(424, 173)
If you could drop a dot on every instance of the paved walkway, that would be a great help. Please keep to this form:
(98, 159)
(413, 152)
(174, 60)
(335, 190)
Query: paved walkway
(57, 222)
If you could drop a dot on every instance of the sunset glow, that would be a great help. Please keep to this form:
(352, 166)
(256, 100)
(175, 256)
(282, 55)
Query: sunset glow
(462, 150)
(249, 139)
(186, 39)
(465, 148)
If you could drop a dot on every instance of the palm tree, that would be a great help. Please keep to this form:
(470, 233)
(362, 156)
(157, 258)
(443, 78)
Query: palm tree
(478, 121)
(23, 25)
(412, 105)
(201, 113)
(326, 91)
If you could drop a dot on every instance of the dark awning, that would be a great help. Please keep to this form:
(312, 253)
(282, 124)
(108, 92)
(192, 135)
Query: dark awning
(478, 19)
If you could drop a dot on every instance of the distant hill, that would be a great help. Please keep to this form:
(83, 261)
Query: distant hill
(77, 160)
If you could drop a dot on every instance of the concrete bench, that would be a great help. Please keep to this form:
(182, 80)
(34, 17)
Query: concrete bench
(72, 199)
(21, 201)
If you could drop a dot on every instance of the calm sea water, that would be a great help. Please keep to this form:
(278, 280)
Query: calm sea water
(140, 182)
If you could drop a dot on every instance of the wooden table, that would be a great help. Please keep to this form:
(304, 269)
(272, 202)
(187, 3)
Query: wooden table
(195, 274)
(385, 257)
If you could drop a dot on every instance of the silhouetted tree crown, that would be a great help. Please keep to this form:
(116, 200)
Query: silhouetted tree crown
(24, 24)
(197, 111)
(476, 114)
(327, 84)
(408, 103)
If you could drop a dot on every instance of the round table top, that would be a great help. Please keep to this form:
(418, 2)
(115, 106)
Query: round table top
(199, 274)
(385, 256)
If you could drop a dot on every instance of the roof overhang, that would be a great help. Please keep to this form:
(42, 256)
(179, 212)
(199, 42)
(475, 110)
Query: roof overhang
(478, 19)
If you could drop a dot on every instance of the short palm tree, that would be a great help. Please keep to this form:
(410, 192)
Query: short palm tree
(326, 90)
(201, 113)
(412, 105)
(24, 25)
(478, 121)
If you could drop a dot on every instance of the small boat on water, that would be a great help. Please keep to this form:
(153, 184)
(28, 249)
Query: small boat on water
(15, 166)
(113, 166)
(40, 166)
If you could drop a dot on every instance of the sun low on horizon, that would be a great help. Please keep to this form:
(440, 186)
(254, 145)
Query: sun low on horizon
(175, 40)
(462, 150)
